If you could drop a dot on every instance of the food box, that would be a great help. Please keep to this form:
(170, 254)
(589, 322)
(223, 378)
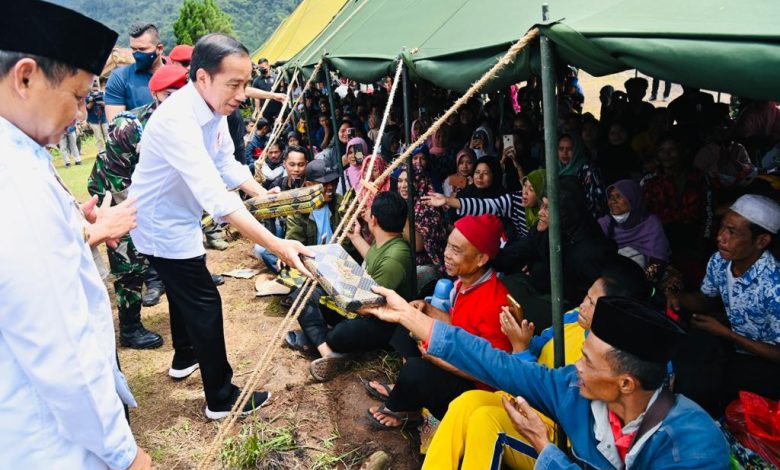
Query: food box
(345, 281)
(291, 202)
(284, 198)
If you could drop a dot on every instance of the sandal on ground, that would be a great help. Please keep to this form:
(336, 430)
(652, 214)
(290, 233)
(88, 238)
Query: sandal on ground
(326, 368)
(297, 341)
(373, 392)
(404, 418)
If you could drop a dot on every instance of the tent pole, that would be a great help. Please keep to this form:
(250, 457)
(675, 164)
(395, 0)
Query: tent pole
(409, 181)
(502, 97)
(308, 121)
(551, 157)
(332, 104)
(550, 108)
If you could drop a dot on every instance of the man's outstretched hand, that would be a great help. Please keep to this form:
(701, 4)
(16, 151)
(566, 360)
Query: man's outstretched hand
(290, 252)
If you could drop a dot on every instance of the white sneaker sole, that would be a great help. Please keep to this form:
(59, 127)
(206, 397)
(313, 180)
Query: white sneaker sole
(216, 415)
(179, 374)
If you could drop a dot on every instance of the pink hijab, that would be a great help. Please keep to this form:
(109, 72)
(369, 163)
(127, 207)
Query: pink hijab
(379, 167)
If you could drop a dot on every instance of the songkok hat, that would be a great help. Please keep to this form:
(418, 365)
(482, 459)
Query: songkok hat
(57, 33)
(636, 328)
(168, 76)
(760, 210)
(181, 53)
(483, 231)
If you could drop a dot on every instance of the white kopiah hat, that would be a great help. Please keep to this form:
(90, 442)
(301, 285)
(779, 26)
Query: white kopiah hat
(760, 210)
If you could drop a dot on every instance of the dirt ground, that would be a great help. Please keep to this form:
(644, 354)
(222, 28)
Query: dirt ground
(325, 423)
(326, 420)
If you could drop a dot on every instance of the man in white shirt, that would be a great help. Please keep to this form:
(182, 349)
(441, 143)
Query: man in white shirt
(185, 165)
(61, 393)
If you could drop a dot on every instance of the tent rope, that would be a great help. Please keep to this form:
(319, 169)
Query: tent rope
(308, 287)
(279, 123)
(275, 135)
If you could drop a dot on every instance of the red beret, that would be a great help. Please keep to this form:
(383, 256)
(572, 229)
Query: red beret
(483, 231)
(181, 53)
(168, 76)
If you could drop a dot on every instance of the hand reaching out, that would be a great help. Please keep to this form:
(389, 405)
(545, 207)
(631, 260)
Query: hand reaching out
(435, 199)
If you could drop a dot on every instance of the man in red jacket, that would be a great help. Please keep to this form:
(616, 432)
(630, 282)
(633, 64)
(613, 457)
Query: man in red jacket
(476, 302)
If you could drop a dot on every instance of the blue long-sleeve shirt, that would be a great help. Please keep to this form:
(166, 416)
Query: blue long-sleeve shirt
(687, 438)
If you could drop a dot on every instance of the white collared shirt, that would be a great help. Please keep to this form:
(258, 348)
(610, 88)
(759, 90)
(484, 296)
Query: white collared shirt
(185, 163)
(60, 386)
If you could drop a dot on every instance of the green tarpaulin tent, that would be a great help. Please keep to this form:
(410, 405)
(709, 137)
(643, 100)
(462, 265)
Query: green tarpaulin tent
(725, 45)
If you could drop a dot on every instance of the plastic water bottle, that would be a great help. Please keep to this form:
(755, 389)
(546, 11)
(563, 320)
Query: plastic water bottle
(441, 295)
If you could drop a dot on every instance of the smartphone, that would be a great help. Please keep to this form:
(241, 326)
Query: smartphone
(359, 157)
(351, 133)
(509, 141)
(515, 309)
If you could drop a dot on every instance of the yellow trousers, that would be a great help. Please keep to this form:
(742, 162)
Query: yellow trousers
(475, 431)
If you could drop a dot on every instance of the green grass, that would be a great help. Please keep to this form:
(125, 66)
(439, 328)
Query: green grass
(259, 442)
(75, 176)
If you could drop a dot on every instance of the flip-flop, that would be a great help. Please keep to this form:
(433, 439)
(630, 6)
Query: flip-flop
(402, 417)
(297, 341)
(374, 393)
(328, 367)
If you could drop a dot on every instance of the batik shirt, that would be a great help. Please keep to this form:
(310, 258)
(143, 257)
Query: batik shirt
(752, 300)
(114, 168)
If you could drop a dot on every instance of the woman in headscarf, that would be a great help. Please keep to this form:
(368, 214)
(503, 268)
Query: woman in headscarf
(638, 233)
(585, 253)
(519, 208)
(357, 149)
(379, 167)
(390, 143)
(419, 126)
(571, 156)
(487, 179)
(466, 162)
(430, 230)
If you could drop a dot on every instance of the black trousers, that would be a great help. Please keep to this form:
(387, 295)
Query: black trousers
(423, 384)
(196, 324)
(362, 334)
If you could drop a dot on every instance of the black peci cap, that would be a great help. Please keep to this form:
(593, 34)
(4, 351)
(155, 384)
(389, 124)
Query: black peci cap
(636, 328)
(57, 33)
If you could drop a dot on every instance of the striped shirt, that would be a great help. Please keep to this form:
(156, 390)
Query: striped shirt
(508, 207)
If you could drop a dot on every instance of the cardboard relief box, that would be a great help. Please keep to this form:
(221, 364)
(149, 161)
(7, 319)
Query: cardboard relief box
(345, 281)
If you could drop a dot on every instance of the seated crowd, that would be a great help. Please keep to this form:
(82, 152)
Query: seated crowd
(669, 226)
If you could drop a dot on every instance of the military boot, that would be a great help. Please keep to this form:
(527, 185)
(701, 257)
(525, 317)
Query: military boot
(132, 333)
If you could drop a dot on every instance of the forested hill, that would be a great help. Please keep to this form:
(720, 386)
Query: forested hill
(253, 20)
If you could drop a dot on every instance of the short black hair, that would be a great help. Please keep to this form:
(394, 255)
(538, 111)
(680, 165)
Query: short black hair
(139, 29)
(262, 60)
(54, 71)
(297, 149)
(651, 375)
(390, 211)
(625, 278)
(210, 50)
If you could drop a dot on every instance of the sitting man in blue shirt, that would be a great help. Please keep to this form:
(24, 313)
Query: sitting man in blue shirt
(743, 278)
(611, 403)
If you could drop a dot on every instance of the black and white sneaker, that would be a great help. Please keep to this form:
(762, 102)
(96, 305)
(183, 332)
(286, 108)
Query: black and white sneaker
(181, 369)
(258, 400)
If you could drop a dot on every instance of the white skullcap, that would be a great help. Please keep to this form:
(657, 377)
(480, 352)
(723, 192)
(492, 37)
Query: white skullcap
(759, 210)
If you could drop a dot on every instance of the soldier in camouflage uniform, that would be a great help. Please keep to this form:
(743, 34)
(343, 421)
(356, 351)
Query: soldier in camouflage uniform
(112, 173)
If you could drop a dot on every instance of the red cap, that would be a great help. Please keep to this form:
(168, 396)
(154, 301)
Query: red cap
(181, 53)
(168, 76)
(483, 231)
